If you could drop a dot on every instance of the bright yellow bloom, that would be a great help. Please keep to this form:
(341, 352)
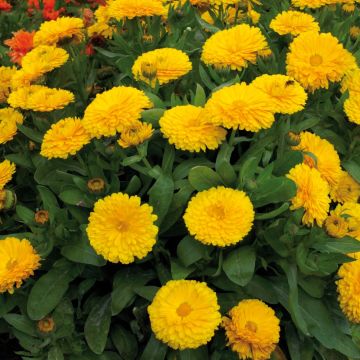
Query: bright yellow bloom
(64, 138)
(350, 212)
(336, 225)
(351, 81)
(135, 135)
(53, 31)
(40, 98)
(121, 229)
(162, 65)
(184, 314)
(350, 7)
(252, 329)
(287, 96)
(23, 79)
(254, 16)
(230, 14)
(312, 194)
(18, 261)
(347, 189)
(101, 27)
(240, 106)
(315, 59)
(320, 154)
(219, 216)
(355, 32)
(294, 23)
(115, 110)
(9, 118)
(352, 107)
(313, 4)
(187, 128)
(7, 170)
(6, 74)
(120, 9)
(234, 47)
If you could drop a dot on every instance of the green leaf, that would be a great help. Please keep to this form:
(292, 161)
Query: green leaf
(239, 265)
(83, 254)
(353, 169)
(200, 353)
(154, 350)
(200, 96)
(203, 178)
(344, 246)
(31, 134)
(97, 325)
(288, 160)
(21, 323)
(153, 116)
(55, 353)
(189, 250)
(146, 292)
(25, 214)
(74, 197)
(179, 271)
(125, 342)
(247, 169)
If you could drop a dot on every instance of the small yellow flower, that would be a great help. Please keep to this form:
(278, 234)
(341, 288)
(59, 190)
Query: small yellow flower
(336, 225)
(9, 119)
(6, 74)
(254, 16)
(347, 189)
(136, 134)
(355, 32)
(41, 217)
(352, 107)
(46, 325)
(120, 9)
(349, 7)
(101, 27)
(7, 170)
(96, 185)
(313, 4)
(351, 81)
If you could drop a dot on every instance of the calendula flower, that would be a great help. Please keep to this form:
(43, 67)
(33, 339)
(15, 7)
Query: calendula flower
(121, 229)
(312, 194)
(120, 9)
(347, 189)
(20, 44)
(219, 216)
(234, 47)
(355, 32)
(96, 185)
(351, 81)
(136, 134)
(352, 107)
(115, 110)
(101, 26)
(6, 74)
(53, 31)
(188, 129)
(313, 4)
(46, 325)
(184, 314)
(7, 170)
(287, 95)
(41, 217)
(252, 329)
(240, 106)
(294, 23)
(350, 7)
(5, 6)
(320, 154)
(18, 261)
(350, 212)
(254, 16)
(162, 65)
(40, 98)
(316, 59)
(64, 138)
(9, 118)
(336, 225)
(229, 15)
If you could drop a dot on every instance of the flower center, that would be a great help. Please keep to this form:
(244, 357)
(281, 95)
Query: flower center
(251, 326)
(122, 226)
(184, 309)
(316, 60)
(217, 211)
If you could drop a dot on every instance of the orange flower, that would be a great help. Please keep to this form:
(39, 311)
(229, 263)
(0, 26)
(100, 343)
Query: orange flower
(5, 6)
(20, 44)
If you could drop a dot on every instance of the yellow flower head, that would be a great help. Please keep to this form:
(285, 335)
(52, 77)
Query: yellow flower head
(101, 27)
(234, 47)
(313, 4)
(352, 107)
(162, 65)
(53, 31)
(7, 170)
(320, 154)
(351, 81)
(219, 216)
(347, 189)
(350, 7)
(349, 290)
(115, 110)
(187, 128)
(355, 32)
(120, 9)
(18, 261)
(240, 106)
(9, 118)
(350, 212)
(136, 134)
(6, 74)
(65, 138)
(40, 98)
(287, 95)
(315, 59)
(184, 314)
(120, 228)
(294, 23)
(336, 225)
(22, 79)
(252, 329)
(230, 14)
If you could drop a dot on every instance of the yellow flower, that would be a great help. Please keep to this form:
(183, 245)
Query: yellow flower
(313, 4)
(230, 14)
(252, 329)
(101, 27)
(40, 98)
(349, 290)
(184, 314)
(355, 32)
(53, 31)
(7, 170)
(21, 79)
(294, 23)
(115, 110)
(351, 81)
(6, 74)
(219, 216)
(254, 16)
(352, 107)
(348, 7)
(9, 118)
(162, 65)
(234, 47)
(336, 225)
(18, 261)
(286, 95)
(120, 228)
(120, 9)
(312, 194)
(315, 59)
(347, 189)
(187, 128)
(136, 134)
(350, 212)
(240, 106)
(64, 138)
(320, 154)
